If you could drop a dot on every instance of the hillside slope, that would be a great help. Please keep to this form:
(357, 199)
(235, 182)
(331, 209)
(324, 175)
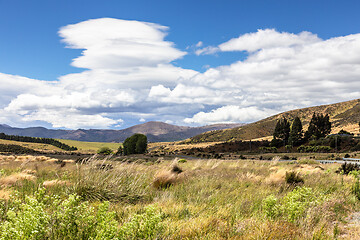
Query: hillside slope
(156, 132)
(344, 115)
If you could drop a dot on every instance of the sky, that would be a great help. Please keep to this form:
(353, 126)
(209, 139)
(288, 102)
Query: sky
(113, 64)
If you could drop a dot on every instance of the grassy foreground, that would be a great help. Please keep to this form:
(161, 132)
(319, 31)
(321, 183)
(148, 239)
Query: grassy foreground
(42, 198)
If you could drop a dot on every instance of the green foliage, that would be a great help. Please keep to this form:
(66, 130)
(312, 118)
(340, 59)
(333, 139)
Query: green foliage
(146, 225)
(293, 205)
(26, 221)
(307, 149)
(347, 168)
(136, 144)
(45, 217)
(268, 149)
(356, 189)
(282, 130)
(120, 150)
(182, 160)
(270, 206)
(12, 148)
(50, 141)
(296, 132)
(105, 151)
(320, 126)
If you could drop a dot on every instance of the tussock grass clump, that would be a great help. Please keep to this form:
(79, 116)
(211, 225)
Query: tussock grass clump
(165, 179)
(125, 182)
(293, 178)
(16, 178)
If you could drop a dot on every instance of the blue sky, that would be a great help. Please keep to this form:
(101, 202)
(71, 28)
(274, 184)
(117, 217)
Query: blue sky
(31, 47)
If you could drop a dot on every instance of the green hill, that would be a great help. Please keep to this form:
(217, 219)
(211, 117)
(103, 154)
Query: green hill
(344, 115)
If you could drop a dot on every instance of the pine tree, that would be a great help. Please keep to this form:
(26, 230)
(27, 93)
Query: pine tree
(282, 130)
(319, 126)
(296, 132)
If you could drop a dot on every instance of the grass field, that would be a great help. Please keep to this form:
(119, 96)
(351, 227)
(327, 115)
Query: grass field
(90, 146)
(175, 199)
(35, 146)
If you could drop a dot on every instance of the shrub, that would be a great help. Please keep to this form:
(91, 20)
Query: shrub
(270, 206)
(26, 221)
(293, 205)
(346, 168)
(48, 217)
(306, 149)
(356, 189)
(146, 225)
(293, 178)
(105, 151)
(136, 144)
(120, 150)
(268, 149)
(182, 161)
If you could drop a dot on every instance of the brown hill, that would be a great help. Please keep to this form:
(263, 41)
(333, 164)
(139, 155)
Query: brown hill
(344, 115)
(155, 131)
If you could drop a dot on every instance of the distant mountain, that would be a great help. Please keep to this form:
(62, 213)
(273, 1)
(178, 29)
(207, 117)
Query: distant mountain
(344, 115)
(156, 132)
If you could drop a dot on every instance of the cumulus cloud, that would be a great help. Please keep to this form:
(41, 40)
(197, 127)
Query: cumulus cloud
(124, 60)
(283, 71)
(266, 39)
(130, 76)
(230, 114)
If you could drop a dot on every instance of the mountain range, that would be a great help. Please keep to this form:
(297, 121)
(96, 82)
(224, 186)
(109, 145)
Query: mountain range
(155, 131)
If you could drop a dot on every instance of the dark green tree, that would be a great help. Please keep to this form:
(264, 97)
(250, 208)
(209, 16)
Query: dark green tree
(320, 126)
(136, 144)
(296, 132)
(281, 132)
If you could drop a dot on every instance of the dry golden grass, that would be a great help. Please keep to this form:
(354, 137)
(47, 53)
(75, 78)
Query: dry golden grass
(276, 178)
(5, 194)
(56, 182)
(16, 178)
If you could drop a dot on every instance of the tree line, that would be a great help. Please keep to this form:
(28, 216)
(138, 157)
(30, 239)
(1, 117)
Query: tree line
(292, 134)
(50, 141)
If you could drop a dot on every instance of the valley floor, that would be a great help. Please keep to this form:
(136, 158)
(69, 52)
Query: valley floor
(175, 198)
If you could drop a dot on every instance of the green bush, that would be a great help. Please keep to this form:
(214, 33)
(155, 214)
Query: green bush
(268, 149)
(270, 206)
(105, 151)
(307, 149)
(182, 161)
(45, 217)
(293, 205)
(136, 144)
(146, 225)
(347, 168)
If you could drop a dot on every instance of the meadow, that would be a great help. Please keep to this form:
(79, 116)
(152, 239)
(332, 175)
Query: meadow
(90, 147)
(175, 198)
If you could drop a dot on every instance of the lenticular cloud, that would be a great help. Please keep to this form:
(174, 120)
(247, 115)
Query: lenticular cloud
(130, 75)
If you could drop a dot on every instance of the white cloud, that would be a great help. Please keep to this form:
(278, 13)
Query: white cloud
(131, 76)
(125, 60)
(266, 39)
(229, 114)
(112, 43)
